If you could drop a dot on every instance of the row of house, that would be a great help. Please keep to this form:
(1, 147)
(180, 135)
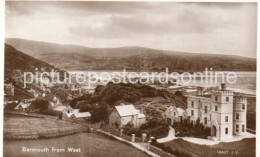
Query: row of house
(55, 104)
(67, 111)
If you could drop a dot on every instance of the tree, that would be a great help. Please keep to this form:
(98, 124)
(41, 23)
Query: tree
(101, 113)
(40, 104)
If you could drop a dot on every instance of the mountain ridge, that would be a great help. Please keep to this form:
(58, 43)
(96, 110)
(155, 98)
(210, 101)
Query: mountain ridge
(73, 57)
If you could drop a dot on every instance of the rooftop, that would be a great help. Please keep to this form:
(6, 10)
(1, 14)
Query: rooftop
(82, 114)
(127, 110)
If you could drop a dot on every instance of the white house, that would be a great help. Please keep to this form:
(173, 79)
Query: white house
(81, 116)
(174, 114)
(124, 114)
(70, 113)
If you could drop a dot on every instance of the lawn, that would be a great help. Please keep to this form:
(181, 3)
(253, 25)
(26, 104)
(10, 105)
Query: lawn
(90, 144)
(244, 148)
(18, 127)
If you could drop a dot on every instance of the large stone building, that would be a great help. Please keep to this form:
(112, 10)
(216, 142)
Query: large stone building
(223, 112)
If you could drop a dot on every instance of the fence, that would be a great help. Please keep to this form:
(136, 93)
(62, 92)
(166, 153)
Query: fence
(153, 149)
(124, 136)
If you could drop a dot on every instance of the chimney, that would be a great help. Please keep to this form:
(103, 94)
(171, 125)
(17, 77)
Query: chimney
(199, 91)
(223, 86)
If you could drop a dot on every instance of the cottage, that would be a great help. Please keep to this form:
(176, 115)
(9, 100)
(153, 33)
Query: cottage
(69, 111)
(124, 114)
(175, 114)
(83, 116)
(23, 107)
(60, 108)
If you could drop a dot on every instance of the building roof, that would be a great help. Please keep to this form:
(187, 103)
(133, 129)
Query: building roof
(23, 105)
(52, 104)
(75, 110)
(68, 114)
(127, 110)
(140, 115)
(180, 110)
(82, 114)
(60, 108)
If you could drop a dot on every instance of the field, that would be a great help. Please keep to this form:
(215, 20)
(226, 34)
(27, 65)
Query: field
(243, 148)
(90, 145)
(18, 127)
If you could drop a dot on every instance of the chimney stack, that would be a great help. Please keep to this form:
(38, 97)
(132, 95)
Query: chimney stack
(199, 91)
(223, 86)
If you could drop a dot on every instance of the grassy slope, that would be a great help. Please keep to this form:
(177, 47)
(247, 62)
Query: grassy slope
(246, 147)
(17, 126)
(17, 60)
(91, 145)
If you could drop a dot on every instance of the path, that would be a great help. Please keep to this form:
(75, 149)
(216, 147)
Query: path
(170, 137)
(201, 141)
(135, 145)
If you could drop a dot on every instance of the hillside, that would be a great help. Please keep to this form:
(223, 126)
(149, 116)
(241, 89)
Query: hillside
(72, 57)
(16, 63)
(15, 59)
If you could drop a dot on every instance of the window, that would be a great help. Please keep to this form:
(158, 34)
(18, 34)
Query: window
(210, 116)
(206, 109)
(227, 99)
(205, 120)
(243, 128)
(237, 128)
(226, 119)
(243, 106)
(192, 113)
(216, 98)
(192, 104)
(226, 130)
(237, 116)
(216, 108)
(174, 114)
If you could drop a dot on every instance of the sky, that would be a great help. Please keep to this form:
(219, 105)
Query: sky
(214, 28)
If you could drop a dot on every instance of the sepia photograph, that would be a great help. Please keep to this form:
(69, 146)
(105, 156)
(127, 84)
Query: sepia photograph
(130, 79)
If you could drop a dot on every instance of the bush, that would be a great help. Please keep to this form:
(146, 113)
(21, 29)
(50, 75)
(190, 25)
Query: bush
(52, 113)
(100, 114)
(169, 149)
(41, 104)
(186, 129)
